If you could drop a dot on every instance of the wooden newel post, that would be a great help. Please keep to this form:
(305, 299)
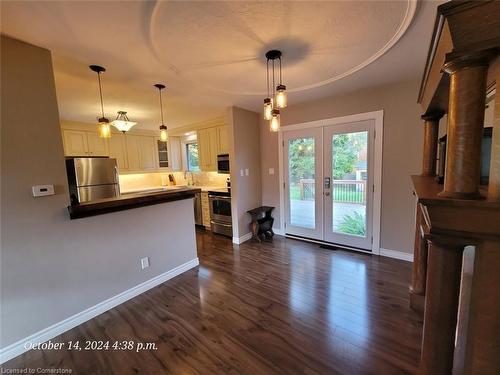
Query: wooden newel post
(465, 126)
(419, 273)
(441, 306)
(431, 129)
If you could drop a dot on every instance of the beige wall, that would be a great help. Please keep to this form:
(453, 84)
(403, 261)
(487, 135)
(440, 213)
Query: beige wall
(402, 151)
(244, 134)
(53, 267)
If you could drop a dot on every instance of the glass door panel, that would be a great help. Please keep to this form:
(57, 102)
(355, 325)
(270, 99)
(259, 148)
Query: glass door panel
(348, 165)
(303, 167)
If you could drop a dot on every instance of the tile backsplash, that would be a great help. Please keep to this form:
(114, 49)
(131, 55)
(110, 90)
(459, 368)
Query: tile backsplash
(139, 181)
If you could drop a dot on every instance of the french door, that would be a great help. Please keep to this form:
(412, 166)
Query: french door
(329, 183)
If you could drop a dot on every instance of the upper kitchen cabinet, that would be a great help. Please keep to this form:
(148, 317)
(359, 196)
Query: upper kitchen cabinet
(223, 140)
(83, 143)
(211, 142)
(141, 153)
(175, 159)
(118, 150)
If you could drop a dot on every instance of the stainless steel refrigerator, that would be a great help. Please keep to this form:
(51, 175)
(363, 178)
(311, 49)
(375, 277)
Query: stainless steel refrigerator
(92, 178)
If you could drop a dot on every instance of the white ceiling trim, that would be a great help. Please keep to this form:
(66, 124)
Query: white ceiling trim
(411, 8)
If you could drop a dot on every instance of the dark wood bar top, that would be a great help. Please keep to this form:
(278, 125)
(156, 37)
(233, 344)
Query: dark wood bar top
(128, 201)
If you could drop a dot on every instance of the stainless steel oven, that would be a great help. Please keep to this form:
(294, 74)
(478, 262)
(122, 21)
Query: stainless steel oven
(220, 214)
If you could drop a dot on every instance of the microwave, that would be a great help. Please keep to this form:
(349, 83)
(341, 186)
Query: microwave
(223, 163)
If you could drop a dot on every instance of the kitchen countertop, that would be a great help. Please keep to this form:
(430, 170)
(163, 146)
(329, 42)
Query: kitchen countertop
(131, 200)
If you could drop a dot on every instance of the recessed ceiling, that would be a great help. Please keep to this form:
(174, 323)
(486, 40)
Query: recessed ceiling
(210, 54)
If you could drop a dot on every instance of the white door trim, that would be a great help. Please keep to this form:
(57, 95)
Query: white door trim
(378, 117)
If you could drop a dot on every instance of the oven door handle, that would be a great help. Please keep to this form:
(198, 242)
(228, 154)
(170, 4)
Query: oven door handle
(218, 197)
(221, 224)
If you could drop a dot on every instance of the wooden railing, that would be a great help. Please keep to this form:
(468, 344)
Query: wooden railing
(343, 191)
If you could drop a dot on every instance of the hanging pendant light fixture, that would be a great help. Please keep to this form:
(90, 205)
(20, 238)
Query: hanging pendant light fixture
(281, 92)
(278, 99)
(163, 127)
(122, 122)
(268, 102)
(103, 128)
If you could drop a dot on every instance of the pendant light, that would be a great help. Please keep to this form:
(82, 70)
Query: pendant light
(273, 103)
(103, 128)
(268, 102)
(274, 125)
(281, 92)
(163, 127)
(122, 122)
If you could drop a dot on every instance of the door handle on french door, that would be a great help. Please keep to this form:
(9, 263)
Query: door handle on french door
(327, 193)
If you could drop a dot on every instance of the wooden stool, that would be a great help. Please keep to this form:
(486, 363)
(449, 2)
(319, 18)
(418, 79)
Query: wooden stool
(262, 222)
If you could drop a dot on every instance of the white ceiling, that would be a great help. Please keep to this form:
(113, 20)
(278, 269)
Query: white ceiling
(210, 54)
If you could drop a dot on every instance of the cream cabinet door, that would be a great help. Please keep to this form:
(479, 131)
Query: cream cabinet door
(223, 144)
(133, 152)
(118, 150)
(203, 149)
(141, 153)
(214, 147)
(97, 146)
(175, 156)
(75, 143)
(148, 153)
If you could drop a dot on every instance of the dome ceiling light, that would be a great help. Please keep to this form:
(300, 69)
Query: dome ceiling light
(103, 128)
(276, 95)
(163, 127)
(122, 122)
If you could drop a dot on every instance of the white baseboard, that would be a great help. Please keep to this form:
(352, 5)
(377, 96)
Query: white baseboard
(56, 329)
(240, 240)
(396, 254)
(279, 232)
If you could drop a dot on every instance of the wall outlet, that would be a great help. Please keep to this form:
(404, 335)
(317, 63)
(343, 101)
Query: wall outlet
(271, 170)
(42, 190)
(145, 262)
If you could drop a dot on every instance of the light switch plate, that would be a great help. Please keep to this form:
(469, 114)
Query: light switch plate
(271, 170)
(246, 172)
(241, 172)
(42, 190)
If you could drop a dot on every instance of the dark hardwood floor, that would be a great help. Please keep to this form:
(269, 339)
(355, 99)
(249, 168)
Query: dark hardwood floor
(285, 307)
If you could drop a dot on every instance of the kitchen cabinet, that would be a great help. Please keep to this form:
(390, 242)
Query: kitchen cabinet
(208, 147)
(175, 153)
(118, 150)
(223, 140)
(141, 153)
(84, 143)
(134, 151)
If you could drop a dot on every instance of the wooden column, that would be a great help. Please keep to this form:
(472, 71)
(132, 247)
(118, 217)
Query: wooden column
(431, 129)
(482, 350)
(441, 306)
(465, 126)
(419, 273)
